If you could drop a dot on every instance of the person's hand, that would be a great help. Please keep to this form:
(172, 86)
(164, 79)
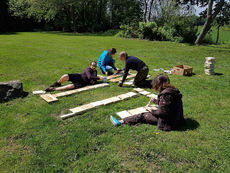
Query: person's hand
(120, 84)
(148, 108)
(107, 73)
(101, 78)
(118, 70)
(154, 100)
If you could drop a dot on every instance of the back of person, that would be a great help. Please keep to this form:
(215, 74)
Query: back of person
(172, 100)
(134, 63)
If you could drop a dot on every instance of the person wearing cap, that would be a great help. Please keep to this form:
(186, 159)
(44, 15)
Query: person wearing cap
(135, 63)
(106, 62)
(89, 77)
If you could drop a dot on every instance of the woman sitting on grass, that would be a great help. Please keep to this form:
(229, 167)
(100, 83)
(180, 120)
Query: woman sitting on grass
(89, 77)
(169, 114)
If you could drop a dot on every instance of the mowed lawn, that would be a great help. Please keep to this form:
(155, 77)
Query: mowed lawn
(34, 139)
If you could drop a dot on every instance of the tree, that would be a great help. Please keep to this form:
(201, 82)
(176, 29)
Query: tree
(223, 19)
(211, 15)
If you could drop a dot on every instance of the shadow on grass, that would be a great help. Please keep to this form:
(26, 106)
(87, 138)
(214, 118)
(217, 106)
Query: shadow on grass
(191, 124)
(218, 74)
(79, 34)
(8, 33)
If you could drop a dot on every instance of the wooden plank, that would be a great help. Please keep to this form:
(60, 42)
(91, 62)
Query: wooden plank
(137, 111)
(92, 105)
(127, 95)
(138, 89)
(145, 93)
(129, 83)
(124, 114)
(49, 98)
(152, 96)
(67, 116)
(70, 92)
(120, 78)
(39, 92)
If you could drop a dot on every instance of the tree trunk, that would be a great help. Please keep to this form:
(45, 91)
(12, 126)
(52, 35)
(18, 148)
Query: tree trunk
(150, 10)
(218, 34)
(145, 10)
(210, 17)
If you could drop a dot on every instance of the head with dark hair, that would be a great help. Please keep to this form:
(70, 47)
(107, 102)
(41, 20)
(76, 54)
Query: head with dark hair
(161, 82)
(112, 51)
(93, 65)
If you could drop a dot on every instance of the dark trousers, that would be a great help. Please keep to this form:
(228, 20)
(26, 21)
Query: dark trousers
(145, 118)
(140, 79)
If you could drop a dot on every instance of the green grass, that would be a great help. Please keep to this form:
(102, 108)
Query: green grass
(34, 139)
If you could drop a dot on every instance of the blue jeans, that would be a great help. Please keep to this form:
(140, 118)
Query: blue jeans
(109, 68)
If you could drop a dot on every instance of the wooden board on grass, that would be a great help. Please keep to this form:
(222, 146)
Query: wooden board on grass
(49, 98)
(53, 97)
(124, 114)
(120, 78)
(83, 108)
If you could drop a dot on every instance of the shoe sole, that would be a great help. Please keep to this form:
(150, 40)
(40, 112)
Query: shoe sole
(112, 120)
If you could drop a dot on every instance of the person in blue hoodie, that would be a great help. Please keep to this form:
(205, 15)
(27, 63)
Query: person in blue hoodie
(106, 62)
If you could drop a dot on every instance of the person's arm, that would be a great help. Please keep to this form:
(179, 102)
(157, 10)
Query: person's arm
(113, 64)
(103, 57)
(125, 75)
(164, 107)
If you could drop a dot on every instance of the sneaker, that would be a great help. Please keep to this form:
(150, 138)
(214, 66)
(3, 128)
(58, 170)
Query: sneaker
(114, 121)
(50, 89)
(56, 84)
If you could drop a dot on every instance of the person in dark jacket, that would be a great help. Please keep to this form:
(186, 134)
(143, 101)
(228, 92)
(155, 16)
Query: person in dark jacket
(169, 114)
(89, 77)
(135, 63)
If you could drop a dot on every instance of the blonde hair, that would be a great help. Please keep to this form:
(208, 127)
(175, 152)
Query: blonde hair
(123, 54)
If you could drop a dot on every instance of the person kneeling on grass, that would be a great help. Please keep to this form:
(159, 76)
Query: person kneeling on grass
(106, 62)
(89, 77)
(169, 114)
(135, 63)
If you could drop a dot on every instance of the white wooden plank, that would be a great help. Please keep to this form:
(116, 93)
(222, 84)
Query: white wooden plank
(49, 98)
(67, 116)
(138, 89)
(145, 93)
(39, 92)
(124, 114)
(77, 109)
(152, 96)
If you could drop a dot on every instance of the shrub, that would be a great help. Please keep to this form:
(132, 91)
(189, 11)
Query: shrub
(185, 28)
(148, 30)
(128, 31)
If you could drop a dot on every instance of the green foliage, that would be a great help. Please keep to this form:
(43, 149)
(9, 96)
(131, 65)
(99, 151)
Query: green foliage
(79, 16)
(185, 28)
(148, 30)
(33, 139)
(181, 29)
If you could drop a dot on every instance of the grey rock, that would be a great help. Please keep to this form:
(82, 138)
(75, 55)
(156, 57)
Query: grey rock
(10, 90)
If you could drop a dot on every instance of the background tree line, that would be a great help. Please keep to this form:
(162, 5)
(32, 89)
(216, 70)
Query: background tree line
(162, 19)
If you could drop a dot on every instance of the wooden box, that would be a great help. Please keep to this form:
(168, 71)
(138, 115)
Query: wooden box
(182, 70)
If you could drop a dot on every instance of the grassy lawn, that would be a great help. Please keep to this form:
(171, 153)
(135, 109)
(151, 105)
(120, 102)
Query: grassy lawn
(33, 139)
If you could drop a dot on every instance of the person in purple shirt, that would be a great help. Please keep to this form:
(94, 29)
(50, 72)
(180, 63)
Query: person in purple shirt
(89, 77)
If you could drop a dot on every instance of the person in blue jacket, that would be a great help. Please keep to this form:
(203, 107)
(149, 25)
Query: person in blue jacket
(106, 62)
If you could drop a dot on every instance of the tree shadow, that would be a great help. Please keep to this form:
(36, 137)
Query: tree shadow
(190, 124)
(8, 33)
